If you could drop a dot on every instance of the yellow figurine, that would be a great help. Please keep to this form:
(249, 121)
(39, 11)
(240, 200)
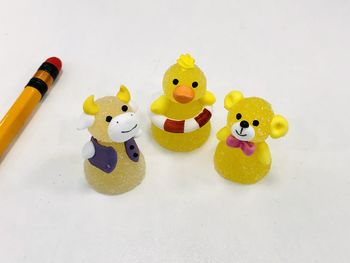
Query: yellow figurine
(181, 116)
(242, 154)
(113, 162)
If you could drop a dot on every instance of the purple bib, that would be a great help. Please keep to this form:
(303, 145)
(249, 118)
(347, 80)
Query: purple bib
(106, 157)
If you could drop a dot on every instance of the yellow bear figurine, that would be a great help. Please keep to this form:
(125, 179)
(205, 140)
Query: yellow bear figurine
(181, 117)
(242, 154)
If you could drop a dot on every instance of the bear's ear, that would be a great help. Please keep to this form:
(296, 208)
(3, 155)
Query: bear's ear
(124, 94)
(232, 98)
(278, 127)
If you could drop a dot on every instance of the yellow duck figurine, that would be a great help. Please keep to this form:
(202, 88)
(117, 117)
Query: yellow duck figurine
(242, 154)
(181, 117)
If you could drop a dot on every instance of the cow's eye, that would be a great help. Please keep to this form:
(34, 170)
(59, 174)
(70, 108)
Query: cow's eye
(108, 118)
(124, 108)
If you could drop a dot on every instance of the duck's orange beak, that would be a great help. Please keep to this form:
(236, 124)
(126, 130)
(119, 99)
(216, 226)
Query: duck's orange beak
(183, 94)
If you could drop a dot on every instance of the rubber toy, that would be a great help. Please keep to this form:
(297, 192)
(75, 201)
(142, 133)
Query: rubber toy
(181, 116)
(113, 162)
(242, 154)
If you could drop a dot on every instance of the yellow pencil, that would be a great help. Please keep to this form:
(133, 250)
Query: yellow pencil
(33, 92)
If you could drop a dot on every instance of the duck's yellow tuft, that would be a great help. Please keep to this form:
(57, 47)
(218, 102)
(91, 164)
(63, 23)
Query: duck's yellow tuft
(186, 61)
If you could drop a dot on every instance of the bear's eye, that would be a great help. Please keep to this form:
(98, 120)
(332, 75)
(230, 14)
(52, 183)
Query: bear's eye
(175, 81)
(255, 123)
(108, 118)
(195, 84)
(124, 108)
(238, 116)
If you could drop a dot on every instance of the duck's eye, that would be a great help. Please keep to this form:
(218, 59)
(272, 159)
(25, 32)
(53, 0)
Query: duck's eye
(255, 123)
(124, 108)
(195, 84)
(108, 118)
(175, 81)
(238, 116)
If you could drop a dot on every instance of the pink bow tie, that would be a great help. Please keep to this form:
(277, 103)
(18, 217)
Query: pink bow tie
(248, 148)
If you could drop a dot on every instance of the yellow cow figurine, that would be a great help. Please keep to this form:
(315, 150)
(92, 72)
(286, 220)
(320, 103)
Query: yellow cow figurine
(113, 162)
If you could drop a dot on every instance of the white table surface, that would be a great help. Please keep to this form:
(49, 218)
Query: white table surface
(295, 54)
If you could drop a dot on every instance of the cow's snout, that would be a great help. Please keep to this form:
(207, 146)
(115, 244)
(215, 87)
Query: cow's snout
(123, 127)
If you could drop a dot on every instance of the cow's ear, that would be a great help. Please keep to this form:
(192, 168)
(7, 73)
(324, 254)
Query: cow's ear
(85, 121)
(124, 94)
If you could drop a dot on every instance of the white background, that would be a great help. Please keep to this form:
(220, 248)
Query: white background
(294, 53)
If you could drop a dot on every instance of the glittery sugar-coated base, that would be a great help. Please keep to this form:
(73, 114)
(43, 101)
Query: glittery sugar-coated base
(127, 174)
(181, 142)
(233, 164)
